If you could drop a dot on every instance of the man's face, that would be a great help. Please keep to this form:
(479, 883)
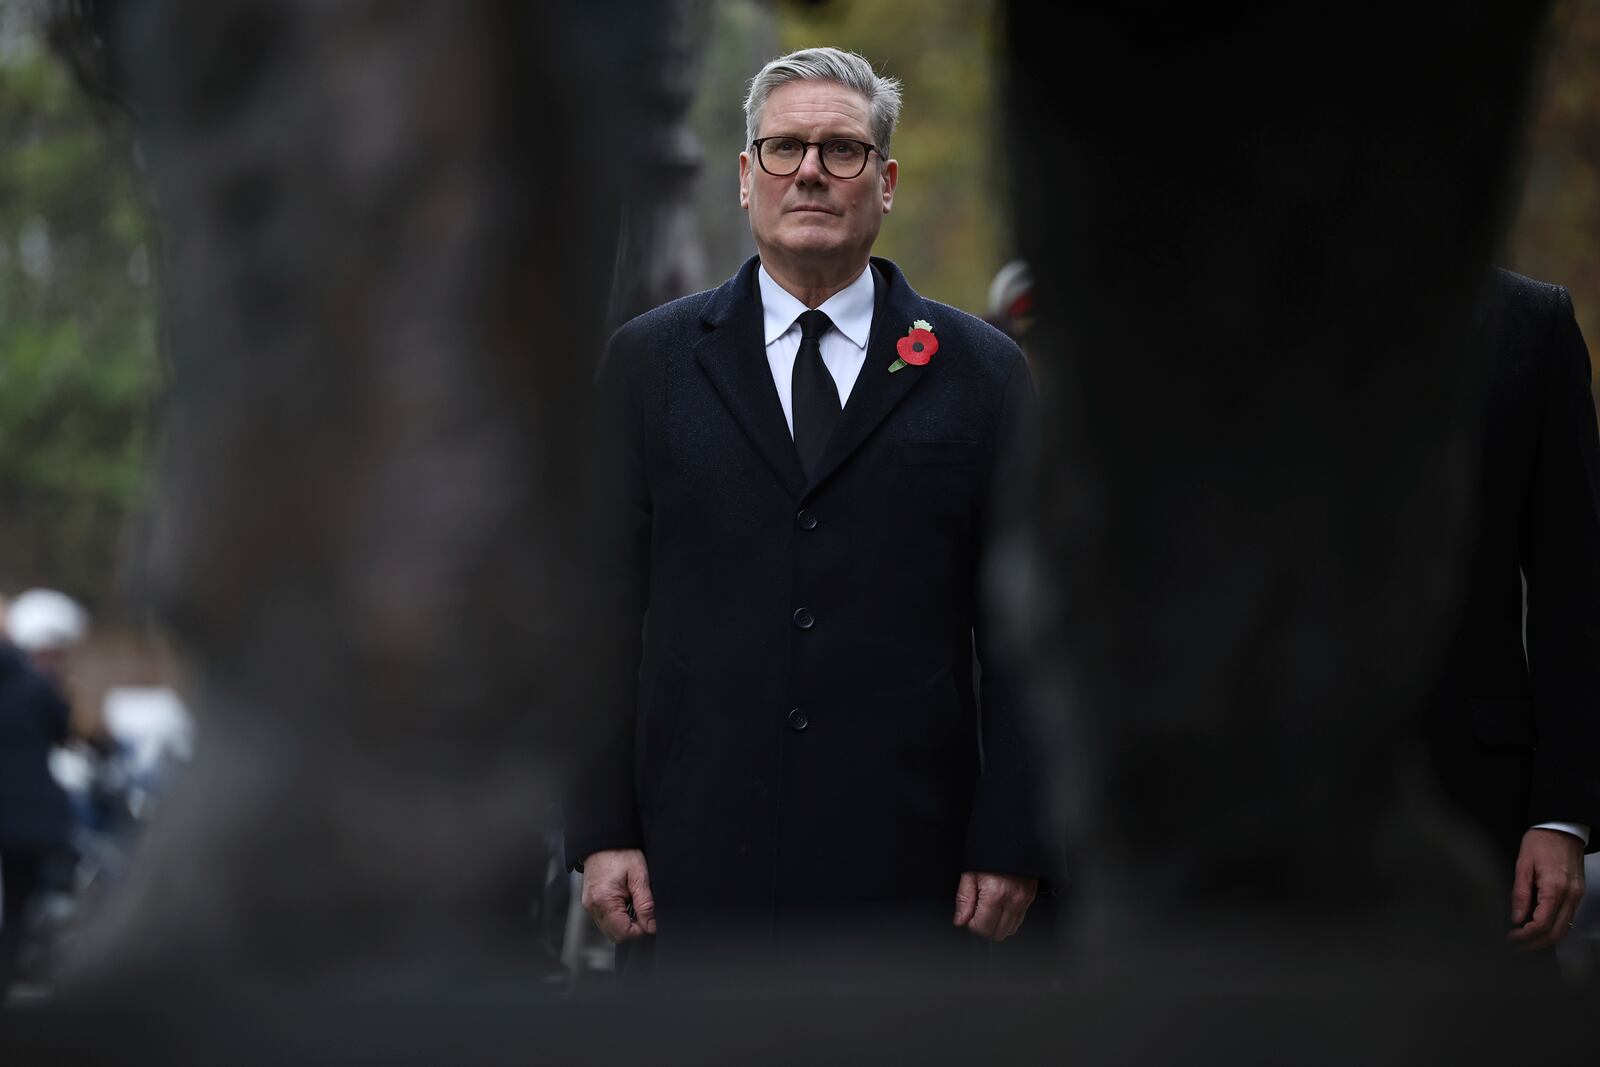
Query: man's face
(810, 218)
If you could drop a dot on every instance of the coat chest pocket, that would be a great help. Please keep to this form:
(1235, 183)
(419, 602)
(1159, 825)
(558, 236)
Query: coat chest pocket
(1504, 722)
(934, 454)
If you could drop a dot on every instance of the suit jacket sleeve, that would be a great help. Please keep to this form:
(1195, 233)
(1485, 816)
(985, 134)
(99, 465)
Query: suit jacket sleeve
(601, 812)
(1008, 830)
(1561, 562)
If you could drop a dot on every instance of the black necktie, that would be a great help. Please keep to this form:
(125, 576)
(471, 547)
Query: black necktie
(815, 397)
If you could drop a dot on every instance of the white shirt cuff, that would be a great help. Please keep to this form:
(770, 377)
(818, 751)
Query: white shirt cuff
(1576, 829)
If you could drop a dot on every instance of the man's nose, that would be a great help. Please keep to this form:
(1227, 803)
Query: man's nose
(810, 165)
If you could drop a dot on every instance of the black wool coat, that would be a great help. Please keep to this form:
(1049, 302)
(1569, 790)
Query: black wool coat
(805, 736)
(1514, 732)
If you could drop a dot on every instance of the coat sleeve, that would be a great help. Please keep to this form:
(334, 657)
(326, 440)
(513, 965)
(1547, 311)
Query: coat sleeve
(1561, 561)
(59, 713)
(1009, 830)
(601, 811)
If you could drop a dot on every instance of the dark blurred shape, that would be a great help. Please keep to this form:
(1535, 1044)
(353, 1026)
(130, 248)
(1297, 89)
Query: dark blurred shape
(86, 35)
(659, 254)
(1258, 249)
(390, 234)
(1517, 736)
(1556, 232)
(35, 819)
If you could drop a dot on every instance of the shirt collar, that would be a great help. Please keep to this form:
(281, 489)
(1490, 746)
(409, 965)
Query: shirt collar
(850, 308)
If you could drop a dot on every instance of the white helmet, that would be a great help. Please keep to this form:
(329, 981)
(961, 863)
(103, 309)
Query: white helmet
(44, 620)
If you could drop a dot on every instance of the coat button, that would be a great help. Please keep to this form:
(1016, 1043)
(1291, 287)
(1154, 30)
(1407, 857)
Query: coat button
(806, 519)
(804, 619)
(798, 720)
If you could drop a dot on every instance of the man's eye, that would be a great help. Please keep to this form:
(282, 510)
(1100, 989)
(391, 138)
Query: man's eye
(785, 145)
(843, 148)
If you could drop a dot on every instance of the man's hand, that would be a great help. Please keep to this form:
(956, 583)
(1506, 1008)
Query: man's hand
(616, 893)
(992, 905)
(1547, 890)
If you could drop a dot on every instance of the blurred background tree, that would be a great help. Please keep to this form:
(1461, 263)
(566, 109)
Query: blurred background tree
(1556, 236)
(78, 357)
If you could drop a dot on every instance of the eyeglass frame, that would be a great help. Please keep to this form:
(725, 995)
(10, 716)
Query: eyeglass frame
(822, 157)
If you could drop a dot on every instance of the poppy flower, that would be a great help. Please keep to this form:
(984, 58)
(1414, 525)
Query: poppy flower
(916, 347)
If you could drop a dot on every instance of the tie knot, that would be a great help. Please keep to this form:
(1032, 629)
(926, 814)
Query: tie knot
(813, 324)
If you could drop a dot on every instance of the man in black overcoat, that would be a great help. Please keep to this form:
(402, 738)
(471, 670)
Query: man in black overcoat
(807, 512)
(1515, 729)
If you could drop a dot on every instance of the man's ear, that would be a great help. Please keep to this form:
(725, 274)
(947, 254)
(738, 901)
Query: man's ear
(891, 176)
(744, 180)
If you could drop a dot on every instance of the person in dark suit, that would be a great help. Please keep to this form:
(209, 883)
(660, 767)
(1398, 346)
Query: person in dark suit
(35, 818)
(816, 467)
(1514, 727)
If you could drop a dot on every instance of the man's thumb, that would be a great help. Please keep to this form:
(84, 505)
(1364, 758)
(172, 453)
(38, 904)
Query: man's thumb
(1522, 894)
(966, 899)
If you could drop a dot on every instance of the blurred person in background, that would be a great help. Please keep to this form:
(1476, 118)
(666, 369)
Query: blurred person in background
(35, 820)
(1514, 724)
(1010, 304)
(36, 816)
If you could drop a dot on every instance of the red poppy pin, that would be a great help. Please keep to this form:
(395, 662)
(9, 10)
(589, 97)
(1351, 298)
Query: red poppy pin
(916, 347)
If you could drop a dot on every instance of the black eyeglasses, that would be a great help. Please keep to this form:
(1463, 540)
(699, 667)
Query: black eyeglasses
(841, 157)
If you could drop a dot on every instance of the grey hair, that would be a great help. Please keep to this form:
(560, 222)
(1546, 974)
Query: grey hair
(828, 65)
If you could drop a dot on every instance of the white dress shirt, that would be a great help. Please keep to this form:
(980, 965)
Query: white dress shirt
(1576, 829)
(844, 348)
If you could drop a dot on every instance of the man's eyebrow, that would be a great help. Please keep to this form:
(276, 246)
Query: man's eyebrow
(825, 137)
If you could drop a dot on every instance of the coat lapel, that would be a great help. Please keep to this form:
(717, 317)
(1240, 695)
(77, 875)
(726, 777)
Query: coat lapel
(876, 391)
(734, 358)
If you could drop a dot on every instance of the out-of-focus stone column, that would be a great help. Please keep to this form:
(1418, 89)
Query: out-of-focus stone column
(1256, 250)
(390, 233)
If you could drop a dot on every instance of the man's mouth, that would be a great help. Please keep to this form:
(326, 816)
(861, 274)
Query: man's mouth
(812, 207)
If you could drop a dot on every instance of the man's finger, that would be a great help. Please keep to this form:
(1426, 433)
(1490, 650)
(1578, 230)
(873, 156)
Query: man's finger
(1522, 893)
(1569, 896)
(1015, 917)
(986, 917)
(1564, 922)
(966, 898)
(612, 919)
(984, 920)
(595, 906)
(1562, 925)
(1550, 898)
(1004, 923)
(1029, 895)
(644, 902)
(609, 910)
